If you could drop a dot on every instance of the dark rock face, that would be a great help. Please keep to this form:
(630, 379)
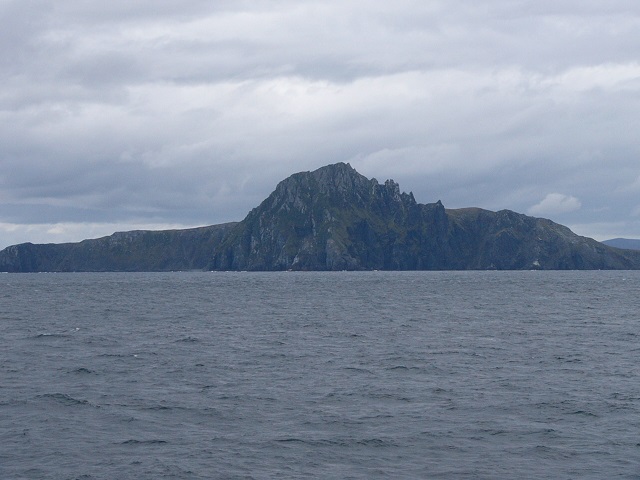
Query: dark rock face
(506, 240)
(167, 250)
(336, 219)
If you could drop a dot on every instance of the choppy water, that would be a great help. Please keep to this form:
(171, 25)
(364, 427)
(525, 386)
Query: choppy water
(448, 375)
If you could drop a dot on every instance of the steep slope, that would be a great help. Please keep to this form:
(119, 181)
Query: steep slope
(507, 240)
(335, 219)
(166, 250)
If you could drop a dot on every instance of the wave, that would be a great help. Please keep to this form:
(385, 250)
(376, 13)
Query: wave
(340, 442)
(404, 367)
(188, 340)
(583, 412)
(143, 442)
(155, 408)
(358, 369)
(64, 399)
(83, 371)
(51, 335)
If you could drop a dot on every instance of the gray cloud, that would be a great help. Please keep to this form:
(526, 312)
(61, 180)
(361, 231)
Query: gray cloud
(157, 113)
(555, 203)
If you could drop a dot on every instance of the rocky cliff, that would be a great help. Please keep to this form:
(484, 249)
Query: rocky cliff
(165, 250)
(336, 219)
(507, 240)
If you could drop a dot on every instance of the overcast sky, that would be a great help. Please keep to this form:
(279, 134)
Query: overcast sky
(133, 114)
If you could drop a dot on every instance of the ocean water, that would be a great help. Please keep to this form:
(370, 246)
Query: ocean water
(444, 375)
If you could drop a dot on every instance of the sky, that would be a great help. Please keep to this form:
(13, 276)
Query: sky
(156, 114)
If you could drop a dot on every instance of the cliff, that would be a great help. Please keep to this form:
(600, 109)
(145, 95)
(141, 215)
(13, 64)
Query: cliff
(507, 240)
(139, 250)
(336, 219)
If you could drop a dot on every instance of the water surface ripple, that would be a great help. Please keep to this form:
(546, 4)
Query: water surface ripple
(446, 375)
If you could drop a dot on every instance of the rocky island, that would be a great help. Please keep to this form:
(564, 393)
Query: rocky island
(336, 219)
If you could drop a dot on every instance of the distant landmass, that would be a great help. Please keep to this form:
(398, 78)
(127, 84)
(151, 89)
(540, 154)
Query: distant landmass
(336, 219)
(626, 243)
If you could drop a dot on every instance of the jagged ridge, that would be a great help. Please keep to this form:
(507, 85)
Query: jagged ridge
(335, 219)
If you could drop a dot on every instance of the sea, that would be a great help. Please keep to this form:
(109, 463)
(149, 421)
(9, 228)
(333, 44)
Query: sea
(332, 375)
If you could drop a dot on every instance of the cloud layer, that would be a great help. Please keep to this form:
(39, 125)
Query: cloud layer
(556, 203)
(154, 113)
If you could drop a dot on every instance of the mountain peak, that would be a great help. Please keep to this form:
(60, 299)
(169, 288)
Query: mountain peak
(327, 219)
(339, 177)
(338, 182)
(333, 218)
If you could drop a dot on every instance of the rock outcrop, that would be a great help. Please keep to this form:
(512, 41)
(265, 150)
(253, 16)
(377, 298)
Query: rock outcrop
(336, 219)
(507, 240)
(139, 250)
